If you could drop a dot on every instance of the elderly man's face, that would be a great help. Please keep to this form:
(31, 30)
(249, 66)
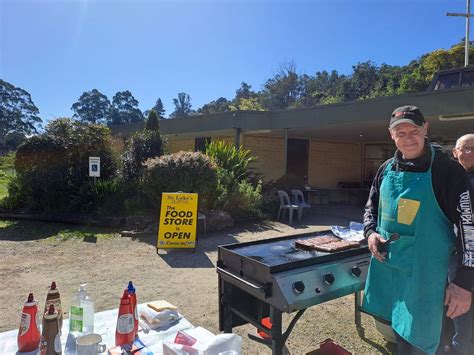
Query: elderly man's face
(409, 139)
(464, 152)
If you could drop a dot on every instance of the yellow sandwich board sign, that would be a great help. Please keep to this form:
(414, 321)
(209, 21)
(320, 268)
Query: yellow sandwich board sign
(178, 220)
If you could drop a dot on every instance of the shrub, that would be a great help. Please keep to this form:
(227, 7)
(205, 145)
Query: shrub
(182, 171)
(108, 196)
(42, 175)
(245, 202)
(239, 190)
(82, 140)
(287, 182)
(152, 123)
(270, 203)
(52, 168)
(7, 161)
(228, 157)
(141, 146)
(15, 197)
(104, 197)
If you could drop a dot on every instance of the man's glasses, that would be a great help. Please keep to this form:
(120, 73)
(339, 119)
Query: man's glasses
(466, 150)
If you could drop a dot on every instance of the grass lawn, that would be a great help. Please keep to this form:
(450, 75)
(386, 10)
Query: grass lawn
(33, 230)
(6, 171)
(4, 178)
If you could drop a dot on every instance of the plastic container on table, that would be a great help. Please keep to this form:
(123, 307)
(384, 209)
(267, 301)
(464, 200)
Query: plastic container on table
(81, 313)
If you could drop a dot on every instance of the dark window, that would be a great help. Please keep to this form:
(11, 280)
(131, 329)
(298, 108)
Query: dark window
(447, 81)
(297, 158)
(468, 78)
(375, 155)
(200, 143)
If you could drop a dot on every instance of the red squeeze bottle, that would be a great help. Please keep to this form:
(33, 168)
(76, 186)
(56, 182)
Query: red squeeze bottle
(29, 335)
(124, 332)
(133, 297)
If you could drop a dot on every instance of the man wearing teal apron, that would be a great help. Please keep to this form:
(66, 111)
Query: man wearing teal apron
(409, 229)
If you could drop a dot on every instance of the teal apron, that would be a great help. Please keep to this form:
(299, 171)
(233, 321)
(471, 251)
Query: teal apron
(408, 289)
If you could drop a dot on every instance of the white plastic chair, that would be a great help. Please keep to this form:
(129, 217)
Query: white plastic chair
(286, 205)
(298, 199)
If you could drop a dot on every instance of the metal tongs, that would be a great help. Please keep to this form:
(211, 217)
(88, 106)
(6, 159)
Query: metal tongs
(384, 247)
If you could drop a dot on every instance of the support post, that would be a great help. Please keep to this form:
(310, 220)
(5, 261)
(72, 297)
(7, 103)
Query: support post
(357, 305)
(237, 143)
(468, 16)
(285, 158)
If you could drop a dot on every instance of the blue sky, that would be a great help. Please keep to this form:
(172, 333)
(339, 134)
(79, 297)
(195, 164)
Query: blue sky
(56, 50)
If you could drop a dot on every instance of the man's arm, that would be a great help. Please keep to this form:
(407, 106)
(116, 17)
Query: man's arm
(374, 239)
(372, 205)
(460, 212)
(458, 293)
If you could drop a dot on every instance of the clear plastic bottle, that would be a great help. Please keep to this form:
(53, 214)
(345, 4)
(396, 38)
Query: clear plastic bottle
(81, 313)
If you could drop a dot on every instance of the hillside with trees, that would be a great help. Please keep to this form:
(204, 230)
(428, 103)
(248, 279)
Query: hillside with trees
(289, 89)
(286, 89)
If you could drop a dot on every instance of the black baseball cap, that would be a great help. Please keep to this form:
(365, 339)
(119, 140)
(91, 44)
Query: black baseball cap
(406, 114)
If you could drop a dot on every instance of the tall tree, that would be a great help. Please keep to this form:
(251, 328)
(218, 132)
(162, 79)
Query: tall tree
(364, 77)
(152, 123)
(215, 106)
(18, 113)
(124, 109)
(251, 104)
(92, 107)
(283, 90)
(183, 107)
(388, 80)
(244, 92)
(159, 108)
(421, 71)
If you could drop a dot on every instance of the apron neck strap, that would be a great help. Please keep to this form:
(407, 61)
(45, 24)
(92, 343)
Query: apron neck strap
(432, 153)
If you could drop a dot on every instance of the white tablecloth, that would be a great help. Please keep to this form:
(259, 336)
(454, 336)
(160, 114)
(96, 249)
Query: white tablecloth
(104, 324)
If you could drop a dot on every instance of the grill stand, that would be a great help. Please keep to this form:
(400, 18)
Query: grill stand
(231, 316)
(278, 339)
(357, 309)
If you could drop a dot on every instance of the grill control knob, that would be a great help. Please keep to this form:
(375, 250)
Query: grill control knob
(356, 271)
(298, 287)
(329, 279)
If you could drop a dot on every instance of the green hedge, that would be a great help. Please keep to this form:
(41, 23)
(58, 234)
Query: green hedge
(141, 146)
(52, 169)
(182, 171)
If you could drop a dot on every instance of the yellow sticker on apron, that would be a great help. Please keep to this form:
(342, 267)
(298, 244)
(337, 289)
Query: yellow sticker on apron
(407, 210)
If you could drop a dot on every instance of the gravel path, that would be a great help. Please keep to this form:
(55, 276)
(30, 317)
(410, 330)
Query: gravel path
(186, 279)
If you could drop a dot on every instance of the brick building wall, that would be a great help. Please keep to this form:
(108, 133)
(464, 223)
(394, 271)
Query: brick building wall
(330, 163)
(270, 155)
(176, 145)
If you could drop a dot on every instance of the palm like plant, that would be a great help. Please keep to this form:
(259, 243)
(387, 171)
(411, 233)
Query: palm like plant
(228, 157)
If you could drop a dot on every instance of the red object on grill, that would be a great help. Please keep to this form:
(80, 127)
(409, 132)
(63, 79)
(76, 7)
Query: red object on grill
(267, 323)
(329, 347)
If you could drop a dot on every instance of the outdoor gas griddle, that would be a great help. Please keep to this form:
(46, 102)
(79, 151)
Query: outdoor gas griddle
(268, 277)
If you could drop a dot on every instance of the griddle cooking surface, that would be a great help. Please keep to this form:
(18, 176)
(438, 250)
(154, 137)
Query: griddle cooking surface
(281, 253)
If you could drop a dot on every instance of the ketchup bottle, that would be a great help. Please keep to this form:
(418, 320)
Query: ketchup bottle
(133, 298)
(29, 335)
(124, 332)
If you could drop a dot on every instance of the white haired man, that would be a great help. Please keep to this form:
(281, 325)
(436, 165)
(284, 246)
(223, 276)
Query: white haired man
(461, 343)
